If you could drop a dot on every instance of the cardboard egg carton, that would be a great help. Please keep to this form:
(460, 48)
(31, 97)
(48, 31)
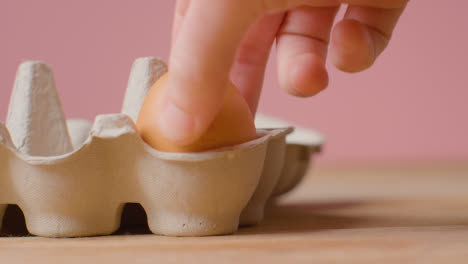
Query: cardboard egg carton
(72, 178)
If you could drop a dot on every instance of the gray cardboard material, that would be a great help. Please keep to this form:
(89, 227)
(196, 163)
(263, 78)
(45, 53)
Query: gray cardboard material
(72, 178)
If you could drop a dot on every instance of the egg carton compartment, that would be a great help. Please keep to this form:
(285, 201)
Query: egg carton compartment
(300, 147)
(73, 178)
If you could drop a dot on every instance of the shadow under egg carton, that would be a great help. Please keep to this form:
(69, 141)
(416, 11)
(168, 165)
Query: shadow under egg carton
(72, 178)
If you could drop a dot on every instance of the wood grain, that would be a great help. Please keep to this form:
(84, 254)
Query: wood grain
(383, 214)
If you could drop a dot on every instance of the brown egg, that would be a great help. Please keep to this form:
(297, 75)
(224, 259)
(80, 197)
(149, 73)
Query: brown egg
(233, 125)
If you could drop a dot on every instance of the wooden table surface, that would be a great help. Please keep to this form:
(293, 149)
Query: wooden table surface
(380, 214)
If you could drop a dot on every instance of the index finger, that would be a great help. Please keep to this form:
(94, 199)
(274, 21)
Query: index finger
(199, 66)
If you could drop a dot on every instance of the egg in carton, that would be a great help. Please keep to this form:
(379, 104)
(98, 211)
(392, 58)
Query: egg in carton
(72, 178)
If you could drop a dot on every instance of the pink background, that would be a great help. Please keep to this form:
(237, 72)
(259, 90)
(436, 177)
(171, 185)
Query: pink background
(412, 105)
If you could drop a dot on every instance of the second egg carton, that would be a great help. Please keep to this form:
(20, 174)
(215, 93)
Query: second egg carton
(72, 178)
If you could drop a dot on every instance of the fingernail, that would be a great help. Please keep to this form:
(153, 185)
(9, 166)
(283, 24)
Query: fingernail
(175, 124)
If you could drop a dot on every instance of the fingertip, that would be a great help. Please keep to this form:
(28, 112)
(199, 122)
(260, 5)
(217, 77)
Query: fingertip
(351, 47)
(307, 76)
(176, 125)
(183, 115)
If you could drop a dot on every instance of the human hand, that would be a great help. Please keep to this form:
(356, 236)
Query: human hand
(217, 40)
